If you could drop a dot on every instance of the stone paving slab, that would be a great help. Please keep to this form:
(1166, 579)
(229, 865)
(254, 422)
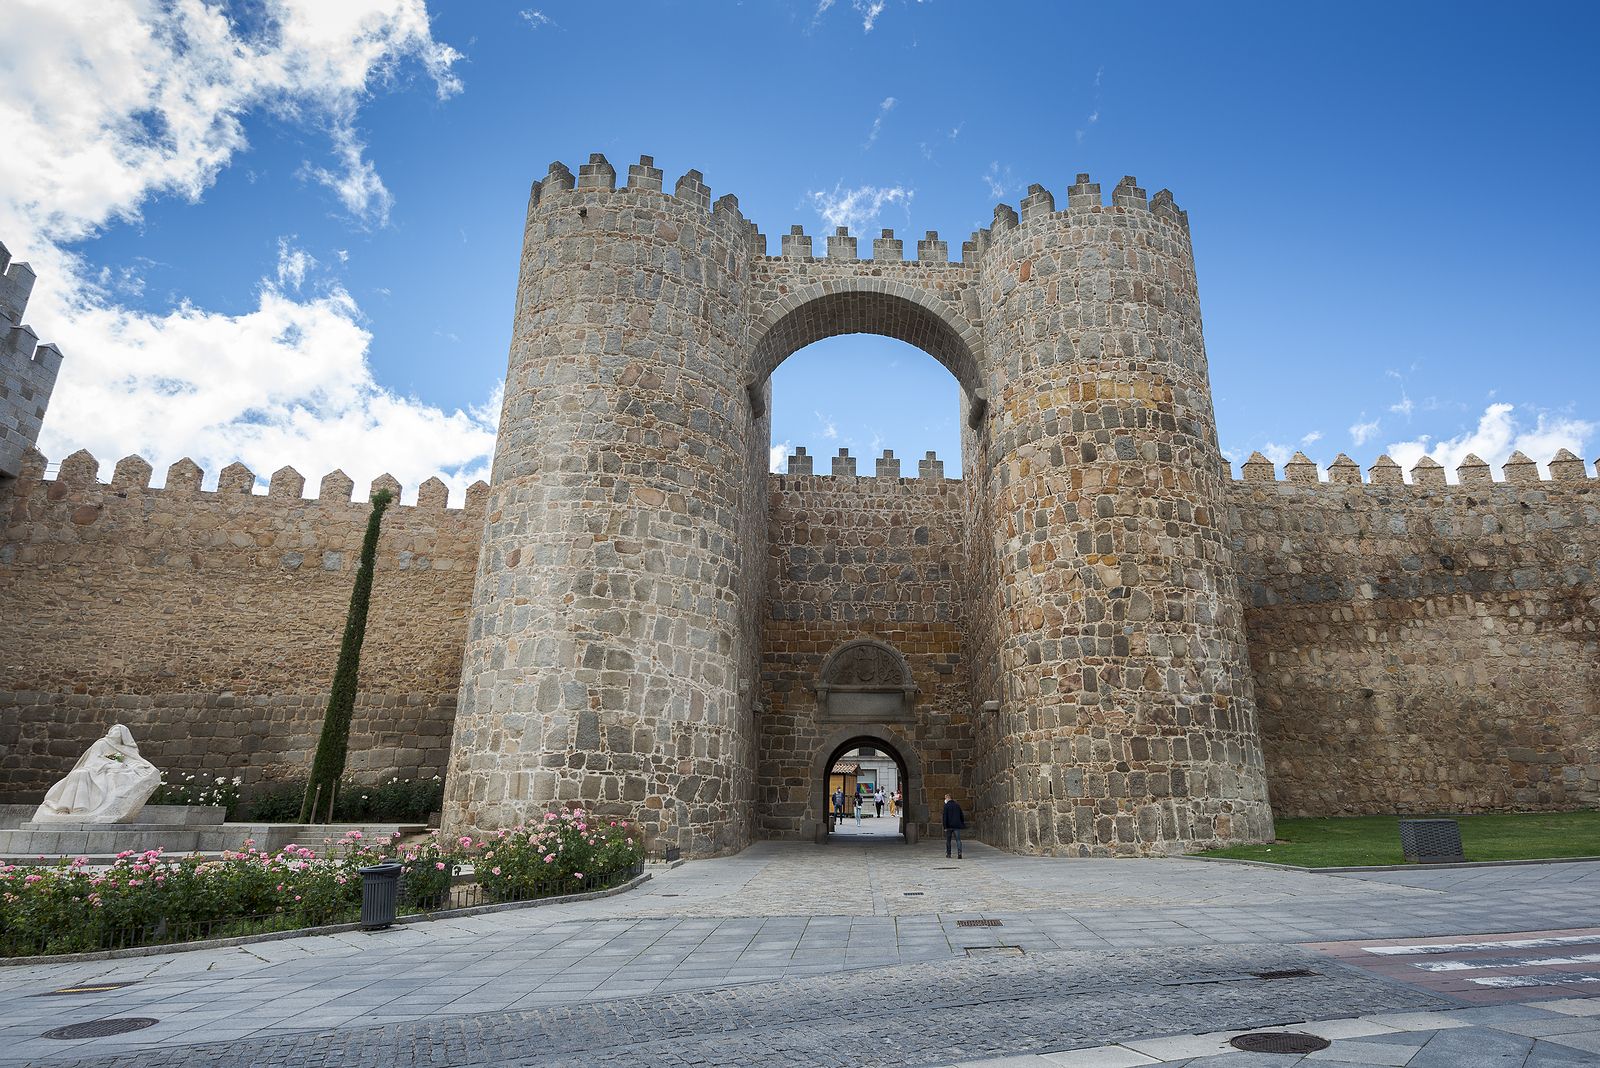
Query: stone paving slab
(1499, 1038)
(697, 943)
(893, 1018)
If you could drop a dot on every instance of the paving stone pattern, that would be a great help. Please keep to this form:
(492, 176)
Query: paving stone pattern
(903, 1016)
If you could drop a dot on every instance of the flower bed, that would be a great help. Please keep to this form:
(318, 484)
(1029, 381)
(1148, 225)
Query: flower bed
(148, 898)
(216, 790)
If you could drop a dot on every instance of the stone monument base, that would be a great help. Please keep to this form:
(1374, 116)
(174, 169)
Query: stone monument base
(178, 830)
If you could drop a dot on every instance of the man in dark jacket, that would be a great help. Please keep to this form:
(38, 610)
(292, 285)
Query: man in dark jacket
(955, 821)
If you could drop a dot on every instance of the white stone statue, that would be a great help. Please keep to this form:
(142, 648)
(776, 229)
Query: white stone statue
(109, 784)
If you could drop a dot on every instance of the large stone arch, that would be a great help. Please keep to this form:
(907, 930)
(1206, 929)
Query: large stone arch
(879, 735)
(868, 306)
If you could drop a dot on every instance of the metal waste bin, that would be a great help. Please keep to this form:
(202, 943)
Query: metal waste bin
(1431, 841)
(380, 895)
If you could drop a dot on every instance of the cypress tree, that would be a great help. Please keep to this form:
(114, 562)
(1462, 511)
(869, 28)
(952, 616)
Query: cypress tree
(327, 767)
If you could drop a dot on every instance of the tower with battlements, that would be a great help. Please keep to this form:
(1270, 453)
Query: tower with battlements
(1094, 637)
(612, 649)
(27, 369)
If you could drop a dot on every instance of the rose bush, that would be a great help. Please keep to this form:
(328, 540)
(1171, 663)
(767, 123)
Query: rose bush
(144, 898)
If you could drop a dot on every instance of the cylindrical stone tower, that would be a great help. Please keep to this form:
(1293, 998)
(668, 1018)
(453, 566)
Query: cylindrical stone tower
(1126, 720)
(611, 647)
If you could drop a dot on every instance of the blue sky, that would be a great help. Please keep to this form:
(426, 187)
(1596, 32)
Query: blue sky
(309, 257)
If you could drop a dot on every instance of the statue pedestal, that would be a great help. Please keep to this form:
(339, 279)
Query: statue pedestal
(190, 829)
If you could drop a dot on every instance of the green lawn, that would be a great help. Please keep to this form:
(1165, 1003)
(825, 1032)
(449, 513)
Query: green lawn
(1357, 840)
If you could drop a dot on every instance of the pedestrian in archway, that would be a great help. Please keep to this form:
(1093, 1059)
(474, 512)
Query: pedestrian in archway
(894, 801)
(877, 799)
(955, 821)
(858, 809)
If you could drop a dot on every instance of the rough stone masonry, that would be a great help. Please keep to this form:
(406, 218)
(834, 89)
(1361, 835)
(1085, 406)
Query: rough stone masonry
(1095, 638)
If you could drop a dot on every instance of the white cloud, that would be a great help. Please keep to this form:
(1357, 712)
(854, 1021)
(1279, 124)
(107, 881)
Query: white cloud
(356, 182)
(1499, 433)
(130, 100)
(1278, 454)
(860, 207)
(877, 123)
(829, 431)
(869, 10)
(776, 455)
(955, 131)
(293, 263)
(1404, 406)
(537, 18)
(998, 179)
(1311, 438)
(1361, 433)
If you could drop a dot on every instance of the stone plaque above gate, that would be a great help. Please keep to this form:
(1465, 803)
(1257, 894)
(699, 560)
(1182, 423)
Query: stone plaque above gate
(866, 681)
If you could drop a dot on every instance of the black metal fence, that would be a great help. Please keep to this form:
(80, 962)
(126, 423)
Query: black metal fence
(70, 931)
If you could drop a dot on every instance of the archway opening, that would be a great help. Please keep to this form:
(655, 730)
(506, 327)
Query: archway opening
(850, 782)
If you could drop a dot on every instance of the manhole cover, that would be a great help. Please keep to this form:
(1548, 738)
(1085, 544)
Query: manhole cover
(1279, 1042)
(87, 988)
(1287, 973)
(979, 923)
(102, 1028)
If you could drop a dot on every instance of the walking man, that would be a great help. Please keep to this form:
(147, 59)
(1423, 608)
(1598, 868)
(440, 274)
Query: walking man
(838, 806)
(877, 799)
(955, 821)
(858, 809)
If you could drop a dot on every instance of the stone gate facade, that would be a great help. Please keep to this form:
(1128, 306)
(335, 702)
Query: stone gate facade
(1095, 637)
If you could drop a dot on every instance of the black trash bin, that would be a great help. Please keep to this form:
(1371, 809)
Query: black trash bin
(1431, 841)
(380, 895)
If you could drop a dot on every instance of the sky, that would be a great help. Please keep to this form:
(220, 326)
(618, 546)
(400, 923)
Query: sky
(287, 232)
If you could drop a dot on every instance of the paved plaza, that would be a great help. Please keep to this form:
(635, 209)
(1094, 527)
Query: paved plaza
(866, 953)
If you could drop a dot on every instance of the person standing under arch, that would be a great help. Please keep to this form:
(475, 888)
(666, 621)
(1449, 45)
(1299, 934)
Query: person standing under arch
(955, 821)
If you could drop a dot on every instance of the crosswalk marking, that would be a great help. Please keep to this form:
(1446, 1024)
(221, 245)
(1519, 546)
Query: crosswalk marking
(1483, 963)
(1467, 947)
(1506, 982)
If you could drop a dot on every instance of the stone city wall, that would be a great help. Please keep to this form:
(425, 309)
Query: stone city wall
(1420, 646)
(851, 557)
(209, 622)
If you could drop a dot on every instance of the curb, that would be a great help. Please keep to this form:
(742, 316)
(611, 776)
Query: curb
(306, 932)
(1393, 867)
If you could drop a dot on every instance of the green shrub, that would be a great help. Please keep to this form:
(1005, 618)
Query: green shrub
(194, 789)
(395, 800)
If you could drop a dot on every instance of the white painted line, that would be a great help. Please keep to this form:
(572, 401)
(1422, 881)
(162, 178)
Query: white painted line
(1467, 947)
(1556, 979)
(1505, 962)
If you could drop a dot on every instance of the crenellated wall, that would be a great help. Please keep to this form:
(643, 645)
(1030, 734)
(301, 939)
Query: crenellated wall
(1108, 646)
(871, 556)
(209, 622)
(27, 369)
(1423, 646)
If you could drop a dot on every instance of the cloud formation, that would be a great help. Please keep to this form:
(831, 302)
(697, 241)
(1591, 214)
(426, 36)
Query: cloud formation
(877, 123)
(132, 100)
(858, 208)
(1499, 432)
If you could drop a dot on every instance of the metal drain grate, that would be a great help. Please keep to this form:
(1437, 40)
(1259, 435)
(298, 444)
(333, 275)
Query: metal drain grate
(913, 893)
(1279, 1042)
(102, 1028)
(979, 923)
(994, 951)
(1287, 973)
(87, 988)
(947, 867)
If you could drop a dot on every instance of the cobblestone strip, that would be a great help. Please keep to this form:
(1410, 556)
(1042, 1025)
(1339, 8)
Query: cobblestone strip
(893, 1018)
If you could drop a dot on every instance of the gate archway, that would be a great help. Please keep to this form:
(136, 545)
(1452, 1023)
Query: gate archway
(899, 748)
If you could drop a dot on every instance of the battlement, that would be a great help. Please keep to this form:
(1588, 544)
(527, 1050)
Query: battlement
(886, 469)
(1083, 198)
(28, 369)
(79, 474)
(1426, 473)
